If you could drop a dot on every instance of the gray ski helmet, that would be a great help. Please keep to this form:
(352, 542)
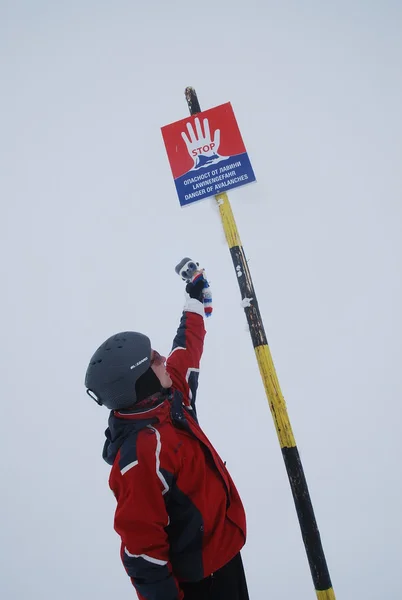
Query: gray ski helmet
(115, 367)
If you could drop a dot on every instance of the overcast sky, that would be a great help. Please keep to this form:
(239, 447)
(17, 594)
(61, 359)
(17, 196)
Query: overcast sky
(91, 230)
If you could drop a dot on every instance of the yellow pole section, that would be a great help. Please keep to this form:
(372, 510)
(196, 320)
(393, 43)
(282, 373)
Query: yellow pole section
(269, 377)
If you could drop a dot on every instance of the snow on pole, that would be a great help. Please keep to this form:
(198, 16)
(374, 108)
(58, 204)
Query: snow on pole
(294, 467)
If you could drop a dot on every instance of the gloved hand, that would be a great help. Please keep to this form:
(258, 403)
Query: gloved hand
(199, 289)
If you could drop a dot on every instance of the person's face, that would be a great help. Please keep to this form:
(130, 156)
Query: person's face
(158, 365)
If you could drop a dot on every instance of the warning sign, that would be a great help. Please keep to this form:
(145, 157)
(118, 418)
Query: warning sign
(207, 154)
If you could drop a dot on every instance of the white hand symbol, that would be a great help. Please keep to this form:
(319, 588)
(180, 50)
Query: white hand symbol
(202, 149)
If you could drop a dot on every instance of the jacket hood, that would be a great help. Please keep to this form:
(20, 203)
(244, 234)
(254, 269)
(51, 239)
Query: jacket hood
(122, 424)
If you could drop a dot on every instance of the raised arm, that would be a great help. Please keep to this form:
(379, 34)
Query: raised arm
(183, 363)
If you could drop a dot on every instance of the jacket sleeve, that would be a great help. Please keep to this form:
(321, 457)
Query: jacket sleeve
(183, 363)
(140, 520)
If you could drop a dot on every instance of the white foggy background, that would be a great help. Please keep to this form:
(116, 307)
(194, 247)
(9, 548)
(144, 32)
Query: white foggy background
(91, 230)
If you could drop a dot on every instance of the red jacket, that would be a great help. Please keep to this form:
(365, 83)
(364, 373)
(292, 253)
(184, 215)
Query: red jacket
(179, 515)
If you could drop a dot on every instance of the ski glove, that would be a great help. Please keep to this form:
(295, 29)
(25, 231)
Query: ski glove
(199, 289)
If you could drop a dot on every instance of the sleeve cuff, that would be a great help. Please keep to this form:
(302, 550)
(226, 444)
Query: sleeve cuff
(195, 306)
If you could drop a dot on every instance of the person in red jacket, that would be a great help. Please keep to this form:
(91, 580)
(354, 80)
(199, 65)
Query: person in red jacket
(179, 516)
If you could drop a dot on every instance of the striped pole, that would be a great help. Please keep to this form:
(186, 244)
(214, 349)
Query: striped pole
(294, 467)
